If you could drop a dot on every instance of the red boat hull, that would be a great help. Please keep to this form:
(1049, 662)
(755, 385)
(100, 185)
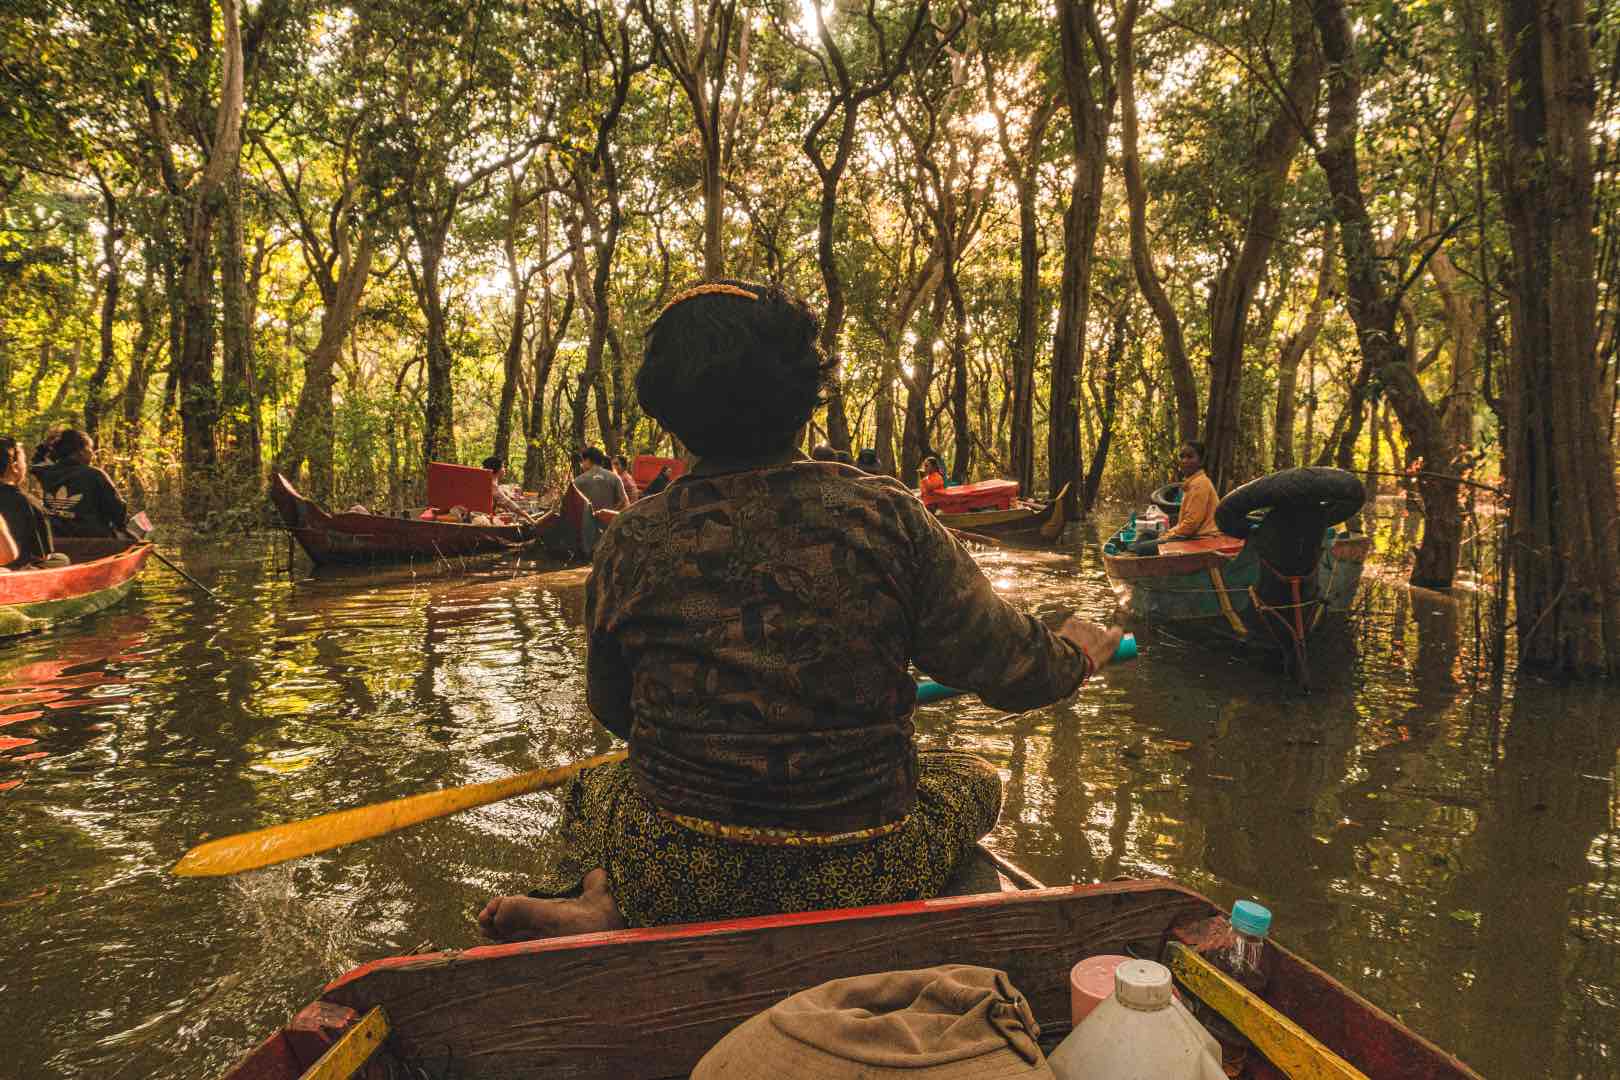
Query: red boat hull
(349, 539)
(101, 575)
(644, 1004)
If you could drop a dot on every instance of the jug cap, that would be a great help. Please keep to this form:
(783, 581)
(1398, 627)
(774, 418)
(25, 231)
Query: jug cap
(1142, 984)
(1250, 918)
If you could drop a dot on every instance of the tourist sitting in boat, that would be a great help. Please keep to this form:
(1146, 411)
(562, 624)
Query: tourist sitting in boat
(80, 499)
(506, 494)
(22, 515)
(1198, 501)
(602, 488)
(933, 480)
(823, 452)
(599, 483)
(751, 634)
(867, 461)
(621, 469)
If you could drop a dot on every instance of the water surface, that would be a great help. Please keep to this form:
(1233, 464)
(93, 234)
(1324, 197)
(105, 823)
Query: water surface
(1450, 852)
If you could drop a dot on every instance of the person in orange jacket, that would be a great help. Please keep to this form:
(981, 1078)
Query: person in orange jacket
(932, 483)
(1198, 501)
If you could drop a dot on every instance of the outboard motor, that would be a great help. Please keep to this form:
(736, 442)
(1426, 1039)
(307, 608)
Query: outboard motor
(1300, 505)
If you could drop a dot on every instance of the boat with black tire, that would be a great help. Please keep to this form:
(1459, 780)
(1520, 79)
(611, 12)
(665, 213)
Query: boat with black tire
(1278, 567)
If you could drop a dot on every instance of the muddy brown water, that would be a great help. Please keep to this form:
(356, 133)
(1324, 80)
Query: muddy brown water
(1450, 852)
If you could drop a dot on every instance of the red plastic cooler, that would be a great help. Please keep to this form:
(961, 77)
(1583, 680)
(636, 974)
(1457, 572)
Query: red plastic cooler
(644, 467)
(968, 498)
(450, 486)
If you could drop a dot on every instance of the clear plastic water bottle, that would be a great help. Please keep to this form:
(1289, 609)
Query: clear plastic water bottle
(1244, 959)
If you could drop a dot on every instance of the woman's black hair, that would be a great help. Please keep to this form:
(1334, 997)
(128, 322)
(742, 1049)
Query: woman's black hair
(621, 461)
(494, 464)
(69, 442)
(1197, 448)
(733, 368)
(45, 450)
(8, 446)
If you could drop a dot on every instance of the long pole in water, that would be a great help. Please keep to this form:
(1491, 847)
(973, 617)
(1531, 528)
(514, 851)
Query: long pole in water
(159, 556)
(279, 843)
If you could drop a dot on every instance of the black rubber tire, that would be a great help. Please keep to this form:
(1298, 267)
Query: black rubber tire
(1334, 493)
(1161, 498)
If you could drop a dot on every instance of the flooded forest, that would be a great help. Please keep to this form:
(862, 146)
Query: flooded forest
(341, 244)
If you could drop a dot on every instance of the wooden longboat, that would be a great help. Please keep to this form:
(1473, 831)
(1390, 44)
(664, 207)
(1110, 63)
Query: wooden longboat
(1202, 579)
(648, 1003)
(1213, 584)
(1028, 522)
(101, 573)
(355, 538)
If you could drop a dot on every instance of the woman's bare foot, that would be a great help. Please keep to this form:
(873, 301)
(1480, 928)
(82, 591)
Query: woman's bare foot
(525, 918)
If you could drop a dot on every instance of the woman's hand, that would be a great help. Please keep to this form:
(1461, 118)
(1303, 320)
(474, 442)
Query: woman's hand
(1097, 641)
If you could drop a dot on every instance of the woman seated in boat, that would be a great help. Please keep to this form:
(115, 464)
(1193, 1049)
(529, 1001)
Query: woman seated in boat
(23, 517)
(506, 494)
(1198, 501)
(80, 499)
(932, 482)
(750, 635)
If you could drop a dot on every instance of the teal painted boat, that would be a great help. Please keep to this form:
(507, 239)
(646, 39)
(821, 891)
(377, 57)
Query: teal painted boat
(1276, 570)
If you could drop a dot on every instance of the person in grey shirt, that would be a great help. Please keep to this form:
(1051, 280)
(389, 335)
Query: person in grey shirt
(599, 483)
(603, 488)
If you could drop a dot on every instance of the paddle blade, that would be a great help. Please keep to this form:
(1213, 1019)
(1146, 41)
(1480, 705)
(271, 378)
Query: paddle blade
(278, 843)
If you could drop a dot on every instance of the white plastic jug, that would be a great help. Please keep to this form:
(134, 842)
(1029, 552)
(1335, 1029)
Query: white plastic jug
(1140, 1033)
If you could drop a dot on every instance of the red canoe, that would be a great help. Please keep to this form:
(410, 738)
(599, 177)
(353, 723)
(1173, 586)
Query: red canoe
(1024, 521)
(351, 538)
(640, 1004)
(100, 575)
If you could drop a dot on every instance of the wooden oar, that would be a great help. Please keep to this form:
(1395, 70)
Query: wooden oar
(278, 843)
(158, 555)
(295, 839)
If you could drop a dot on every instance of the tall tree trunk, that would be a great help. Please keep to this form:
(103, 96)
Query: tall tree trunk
(832, 320)
(1293, 351)
(1110, 401)
(310, 436)
(513, 369)
(1021, 439)
(915, 440)
(202, 202)
(545, 355)
(1023, 164)
(438, 422)
(95, 403)
(1236, 284)
(962, 450)
(846, 96)
(1375, 306)
(243, 461)
(1091, 107)
(1565, 527)
(1182, 379)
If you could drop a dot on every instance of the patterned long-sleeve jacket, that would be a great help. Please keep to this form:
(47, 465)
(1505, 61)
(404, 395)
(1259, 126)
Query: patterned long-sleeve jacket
(750, 634)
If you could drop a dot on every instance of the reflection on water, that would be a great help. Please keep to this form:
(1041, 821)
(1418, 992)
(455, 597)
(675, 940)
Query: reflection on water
(1452, 856)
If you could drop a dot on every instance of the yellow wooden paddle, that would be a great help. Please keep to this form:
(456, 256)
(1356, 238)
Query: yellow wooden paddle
(278, 843)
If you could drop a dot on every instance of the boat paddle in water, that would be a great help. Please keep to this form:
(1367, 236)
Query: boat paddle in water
(295, 839)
